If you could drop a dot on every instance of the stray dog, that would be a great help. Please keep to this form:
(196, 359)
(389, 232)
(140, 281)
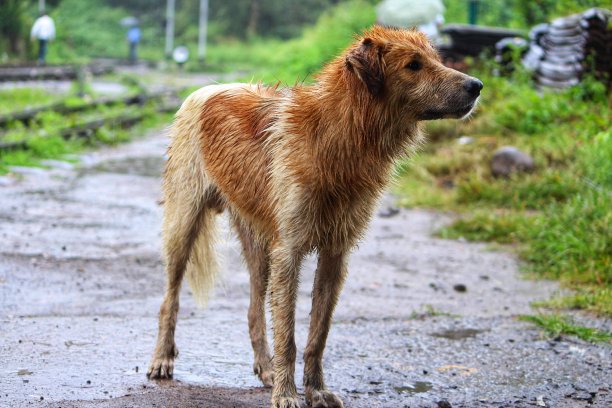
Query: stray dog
(299, 170)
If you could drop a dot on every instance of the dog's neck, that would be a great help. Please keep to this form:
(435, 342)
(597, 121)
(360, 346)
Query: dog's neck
(345, 124)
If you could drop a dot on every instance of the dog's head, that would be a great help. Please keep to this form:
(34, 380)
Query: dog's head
(403, 67)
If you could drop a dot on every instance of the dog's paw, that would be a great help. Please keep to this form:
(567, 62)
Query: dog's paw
(323, 399)
(265, 372)
(285, 402)
(161, 368)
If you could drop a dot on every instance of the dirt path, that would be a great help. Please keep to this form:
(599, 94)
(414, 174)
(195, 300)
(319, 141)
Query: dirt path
(81, 281)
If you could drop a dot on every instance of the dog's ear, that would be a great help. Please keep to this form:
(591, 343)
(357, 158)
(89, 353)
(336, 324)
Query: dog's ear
(366, 61)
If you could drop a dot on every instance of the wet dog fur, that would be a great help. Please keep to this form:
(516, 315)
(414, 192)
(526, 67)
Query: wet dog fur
(298, 169)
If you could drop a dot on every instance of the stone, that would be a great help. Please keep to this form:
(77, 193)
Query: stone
(508, 160)
(465, 140)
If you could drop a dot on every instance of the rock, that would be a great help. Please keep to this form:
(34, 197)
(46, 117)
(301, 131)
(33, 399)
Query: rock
(464, 140)
(444, 404)
(508, 159)
(389, 212)
(460, 287)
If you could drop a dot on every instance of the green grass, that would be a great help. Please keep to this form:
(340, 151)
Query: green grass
(16, 99)
(504, 227)
(44, 141)
(296, 60)
(555, 325)
(598, 301)
(429, 311)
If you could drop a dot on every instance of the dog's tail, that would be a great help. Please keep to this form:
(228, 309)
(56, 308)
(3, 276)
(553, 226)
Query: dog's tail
(189, 228)
(202, 267)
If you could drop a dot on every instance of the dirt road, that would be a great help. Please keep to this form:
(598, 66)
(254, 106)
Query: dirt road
(421, 320)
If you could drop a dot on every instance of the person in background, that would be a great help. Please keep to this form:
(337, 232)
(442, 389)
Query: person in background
(43, 30)
(133, 37)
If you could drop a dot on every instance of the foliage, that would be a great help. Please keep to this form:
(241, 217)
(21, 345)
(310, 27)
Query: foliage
(298, 59)
(43, 135)
(15, 99)
(556, 325)
(92, 28)
(599, 301)
(502, 226)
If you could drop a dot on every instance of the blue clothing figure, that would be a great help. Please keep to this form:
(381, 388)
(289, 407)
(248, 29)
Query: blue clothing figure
(43, 30)
(133, 37)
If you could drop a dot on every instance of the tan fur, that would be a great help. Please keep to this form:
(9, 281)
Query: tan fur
(299, 170)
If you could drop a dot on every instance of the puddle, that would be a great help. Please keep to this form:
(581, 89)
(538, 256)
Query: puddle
(150, 166)
(417, 388)
(108, 88)
(457, 334)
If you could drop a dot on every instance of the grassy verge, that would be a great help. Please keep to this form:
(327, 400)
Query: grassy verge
(555, 325)
(15, 99)
(558, 217)
(45, 142)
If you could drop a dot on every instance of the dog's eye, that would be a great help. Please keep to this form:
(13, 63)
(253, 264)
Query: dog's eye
(414, 65)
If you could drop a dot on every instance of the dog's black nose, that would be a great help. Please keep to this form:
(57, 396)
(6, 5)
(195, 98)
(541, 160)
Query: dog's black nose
(473, 86)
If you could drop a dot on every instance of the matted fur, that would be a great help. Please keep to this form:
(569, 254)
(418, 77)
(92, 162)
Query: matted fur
(299, 169)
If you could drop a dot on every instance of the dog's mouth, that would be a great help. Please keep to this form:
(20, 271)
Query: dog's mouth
(455, 113)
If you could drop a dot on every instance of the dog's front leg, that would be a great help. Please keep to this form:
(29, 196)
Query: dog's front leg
(329, 278)
(284, 276)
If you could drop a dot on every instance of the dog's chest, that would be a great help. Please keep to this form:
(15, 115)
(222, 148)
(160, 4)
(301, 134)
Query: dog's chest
(329, 221)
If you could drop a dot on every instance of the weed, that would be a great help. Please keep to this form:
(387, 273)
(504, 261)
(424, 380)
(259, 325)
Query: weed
(595, 299)
(429, 311)
(556, 325)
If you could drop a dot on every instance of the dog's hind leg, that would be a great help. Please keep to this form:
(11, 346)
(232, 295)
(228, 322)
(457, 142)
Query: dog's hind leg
(257, 261)
(182, 225)
(329, 278)
(190, 205)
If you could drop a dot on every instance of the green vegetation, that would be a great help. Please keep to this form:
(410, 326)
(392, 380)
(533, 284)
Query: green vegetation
(556, 325)
(429, 311)
(299, 59)
(44, 142)
(43, 134)
(518, 13)
(15, 99)
(92, 28)
(598, 301)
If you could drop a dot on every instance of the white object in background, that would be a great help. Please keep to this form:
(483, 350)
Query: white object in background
(180, 55)
(43, 28)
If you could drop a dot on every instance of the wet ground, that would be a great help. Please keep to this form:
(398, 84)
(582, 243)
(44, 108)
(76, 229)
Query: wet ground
(422, 322)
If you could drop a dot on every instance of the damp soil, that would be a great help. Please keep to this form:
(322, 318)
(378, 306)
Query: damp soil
(81, 281)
